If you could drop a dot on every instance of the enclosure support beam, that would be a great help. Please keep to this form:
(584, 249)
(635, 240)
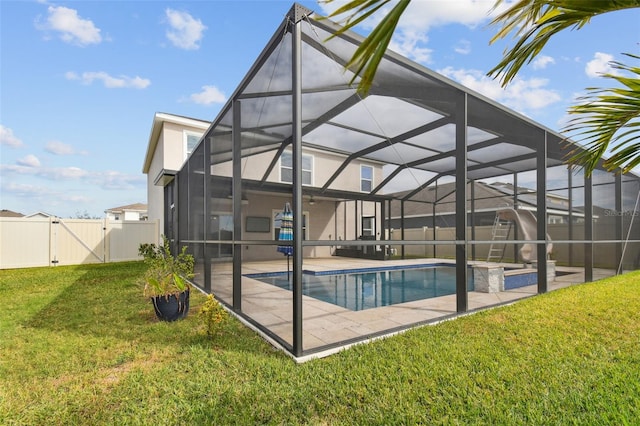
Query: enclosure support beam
(541, 213)
(472, 219)
(461, 203)
(383, 225)
(516, 232)
(588, 228)
(433, 215)
(355, 219)
(570, 217)
(296, 119)
(236, 191)
(402, 228)
(207, 214)
(619, 223)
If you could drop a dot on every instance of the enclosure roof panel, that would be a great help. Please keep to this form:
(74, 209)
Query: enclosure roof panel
(409, 120)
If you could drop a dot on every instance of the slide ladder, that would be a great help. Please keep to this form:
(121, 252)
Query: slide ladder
(499, 234)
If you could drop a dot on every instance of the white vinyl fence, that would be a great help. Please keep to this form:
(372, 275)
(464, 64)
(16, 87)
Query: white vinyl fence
(53, 241)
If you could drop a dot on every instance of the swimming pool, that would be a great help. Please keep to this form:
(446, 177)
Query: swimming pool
(365, 289)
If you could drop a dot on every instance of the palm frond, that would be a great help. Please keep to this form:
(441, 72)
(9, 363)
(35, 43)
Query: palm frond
(534, 22)
(608, 120)
(366, 59)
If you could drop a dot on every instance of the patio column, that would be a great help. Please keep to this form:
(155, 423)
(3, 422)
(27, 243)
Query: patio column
(588, 228)
(461, 203)
(297, 14)
(541, 214)
(236, 196)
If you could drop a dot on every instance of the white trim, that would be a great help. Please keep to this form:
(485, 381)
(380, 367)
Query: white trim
(185, 142)
(362, 166)
(313, 166)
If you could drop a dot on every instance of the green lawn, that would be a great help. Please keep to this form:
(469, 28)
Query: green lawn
(80, 345)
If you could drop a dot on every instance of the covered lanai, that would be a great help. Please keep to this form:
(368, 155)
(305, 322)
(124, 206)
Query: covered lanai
(351, 167)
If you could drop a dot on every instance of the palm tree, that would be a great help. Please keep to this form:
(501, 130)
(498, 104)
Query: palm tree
(604, 118)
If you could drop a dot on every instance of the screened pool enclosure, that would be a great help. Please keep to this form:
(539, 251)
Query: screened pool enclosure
(421, 172)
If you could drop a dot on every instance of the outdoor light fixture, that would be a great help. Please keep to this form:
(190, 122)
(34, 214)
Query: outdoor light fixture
(311, 201)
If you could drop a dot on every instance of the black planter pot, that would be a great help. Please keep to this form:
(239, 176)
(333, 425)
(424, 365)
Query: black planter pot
(173, 307)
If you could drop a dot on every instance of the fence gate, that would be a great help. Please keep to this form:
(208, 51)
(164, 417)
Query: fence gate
(77, 241)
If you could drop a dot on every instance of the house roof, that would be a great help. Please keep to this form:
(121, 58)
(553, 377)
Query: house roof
(39, 214)
(137, 207)
(9, 213)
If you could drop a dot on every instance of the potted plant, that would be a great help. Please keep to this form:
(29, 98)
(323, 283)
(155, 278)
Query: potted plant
(166, 281)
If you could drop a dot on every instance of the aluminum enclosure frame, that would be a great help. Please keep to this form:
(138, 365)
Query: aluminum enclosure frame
(447, 131)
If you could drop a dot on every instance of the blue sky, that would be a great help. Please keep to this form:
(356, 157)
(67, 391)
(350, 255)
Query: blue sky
(80, 81)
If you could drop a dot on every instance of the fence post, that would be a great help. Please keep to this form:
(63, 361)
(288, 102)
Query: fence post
(106, 240)
(53, 240)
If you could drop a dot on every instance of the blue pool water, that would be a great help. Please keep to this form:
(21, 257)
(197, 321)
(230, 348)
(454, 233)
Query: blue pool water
(362, 290)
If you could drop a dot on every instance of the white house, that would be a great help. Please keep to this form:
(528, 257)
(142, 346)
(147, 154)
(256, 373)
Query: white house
(137, 211)
(172, 140)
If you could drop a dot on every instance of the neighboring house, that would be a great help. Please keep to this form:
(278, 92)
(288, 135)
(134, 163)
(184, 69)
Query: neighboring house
(36, 215)
(9, 213)
(325, 217)
(488, 199)
(137, 211)
(39, 215)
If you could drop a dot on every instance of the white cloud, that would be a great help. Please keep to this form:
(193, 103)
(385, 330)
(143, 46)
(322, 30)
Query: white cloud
(407, 44)
(422, 16)
(29, 161)
(600, 64)
(72, 28)
(209, 95)
(25, 190)
(43, 194)
(113, 180)
(541, 62)
(110, 180)
(8, 138)
(61, 148)
(108, 81)
(185, 31)
(522, 95)
(54, 173)
(463, 47)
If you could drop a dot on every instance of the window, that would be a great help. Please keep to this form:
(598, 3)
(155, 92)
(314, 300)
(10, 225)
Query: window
(286, 168)
(368, 225)
(366, 178)
(190, 142)
(276, 214)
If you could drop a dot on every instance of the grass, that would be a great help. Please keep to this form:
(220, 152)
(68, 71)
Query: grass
(80, 345)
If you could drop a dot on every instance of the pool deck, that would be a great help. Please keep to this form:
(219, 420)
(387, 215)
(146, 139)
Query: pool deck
(327, 324)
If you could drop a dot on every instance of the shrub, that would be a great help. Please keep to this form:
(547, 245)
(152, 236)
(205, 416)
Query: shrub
(213, 315)
(166, 274)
